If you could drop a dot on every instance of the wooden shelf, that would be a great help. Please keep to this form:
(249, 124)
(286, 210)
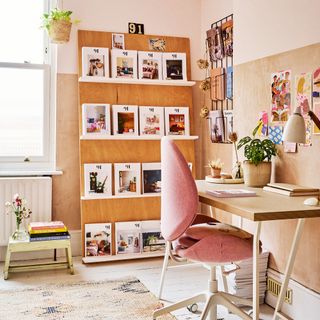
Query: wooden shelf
(122, 197)
(178, 83)
(121, 257)
(132, 137)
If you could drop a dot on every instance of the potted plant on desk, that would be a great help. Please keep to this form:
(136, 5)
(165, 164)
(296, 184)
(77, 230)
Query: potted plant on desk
(257, 167)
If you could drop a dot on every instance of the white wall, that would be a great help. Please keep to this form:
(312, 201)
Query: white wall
(264, 28)
(165, 17)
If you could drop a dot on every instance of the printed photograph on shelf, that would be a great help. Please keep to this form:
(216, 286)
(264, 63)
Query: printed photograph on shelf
(95, 63)
(281, 96)
(215, 44)
(216, 126)
(124, 64)
(228, 123)
(98, 239)
(97, 180)
(151, 177)
(227, 37)
(118, 41)
(177, 121)
(174, 66)
(218, 92)
(127, 179)
(96, 119)
(150, 65)
(151, 121)
(157, 44)
(152, 240)
(125, 120)
(229, 83)
(128, 237)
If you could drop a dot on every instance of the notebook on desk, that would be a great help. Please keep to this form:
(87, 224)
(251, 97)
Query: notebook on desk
(291, 190)
(231, 193)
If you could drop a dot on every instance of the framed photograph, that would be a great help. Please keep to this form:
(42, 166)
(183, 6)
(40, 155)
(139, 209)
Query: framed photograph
(150, 65)
(95, 63)
(128, 237)
(124, 64)
(151, 177)
(97, 180)
(96, 119)
(152, 240)
(151, 121)
(174, 66)
(125, 120)
(127, 179)
(98, 239)
(177, 121)
(118, 41)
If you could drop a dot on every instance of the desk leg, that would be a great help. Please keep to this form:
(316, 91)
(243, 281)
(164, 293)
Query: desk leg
(289, 267)
(7, 263)
(256, 253)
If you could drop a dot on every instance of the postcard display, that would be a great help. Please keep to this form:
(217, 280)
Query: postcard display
(121, 177)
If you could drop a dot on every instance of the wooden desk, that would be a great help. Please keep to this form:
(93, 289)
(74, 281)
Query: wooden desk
(265, 206)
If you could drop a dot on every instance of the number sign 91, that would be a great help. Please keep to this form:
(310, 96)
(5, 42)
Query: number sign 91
(137, 28)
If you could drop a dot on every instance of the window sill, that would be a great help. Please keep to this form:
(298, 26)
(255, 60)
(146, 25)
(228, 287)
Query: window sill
(24, 173)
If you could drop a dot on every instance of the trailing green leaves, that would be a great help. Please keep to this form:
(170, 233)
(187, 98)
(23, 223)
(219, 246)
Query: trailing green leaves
(56, 15)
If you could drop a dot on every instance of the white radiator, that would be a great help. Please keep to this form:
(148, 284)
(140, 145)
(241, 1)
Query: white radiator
(38, 193)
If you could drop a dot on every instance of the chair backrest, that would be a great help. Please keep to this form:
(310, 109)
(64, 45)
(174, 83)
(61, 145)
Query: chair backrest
(179, 196)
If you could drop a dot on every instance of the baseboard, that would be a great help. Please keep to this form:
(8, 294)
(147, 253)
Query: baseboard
(75, 246)
(305, 302)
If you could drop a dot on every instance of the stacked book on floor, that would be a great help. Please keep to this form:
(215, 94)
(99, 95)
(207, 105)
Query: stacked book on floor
(240, 282)
(291, 190)
(46, 231)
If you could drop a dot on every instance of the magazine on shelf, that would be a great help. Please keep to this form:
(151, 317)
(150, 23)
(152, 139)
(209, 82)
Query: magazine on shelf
(98, 239)
(151, 121)
(231, 193)
(95, 63)
(150, 65)
(174, 66)
(177, 121)
(97, 180)
(152, 240)
(118, 41)
(216, 126)
(125, 120)
(229, 83)
(151, 177)
(228, 123)
(128, 237)
(124, 64)
(96, 119)
(127, 179)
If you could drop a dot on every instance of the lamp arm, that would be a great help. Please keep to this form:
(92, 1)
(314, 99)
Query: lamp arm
(314, 118)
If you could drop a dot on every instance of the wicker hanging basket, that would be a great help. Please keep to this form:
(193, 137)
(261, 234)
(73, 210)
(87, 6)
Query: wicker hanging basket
(59, 31)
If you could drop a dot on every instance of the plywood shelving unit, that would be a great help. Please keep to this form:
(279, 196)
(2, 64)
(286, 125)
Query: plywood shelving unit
(134, 149)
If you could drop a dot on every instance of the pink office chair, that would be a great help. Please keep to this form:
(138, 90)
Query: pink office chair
(212, 244)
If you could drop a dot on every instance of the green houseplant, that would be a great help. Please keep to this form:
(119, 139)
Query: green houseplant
(257, 167)
(58, 25)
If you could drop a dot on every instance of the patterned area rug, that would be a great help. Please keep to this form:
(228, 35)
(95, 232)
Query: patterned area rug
(103, 300)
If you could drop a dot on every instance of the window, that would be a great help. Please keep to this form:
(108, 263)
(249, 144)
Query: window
(26, 124)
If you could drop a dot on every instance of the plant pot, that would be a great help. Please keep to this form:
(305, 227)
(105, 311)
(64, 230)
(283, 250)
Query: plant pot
(256, 175)
(59, 31)
(216, 173)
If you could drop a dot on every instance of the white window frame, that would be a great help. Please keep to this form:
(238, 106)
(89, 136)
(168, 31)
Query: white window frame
(48, 160)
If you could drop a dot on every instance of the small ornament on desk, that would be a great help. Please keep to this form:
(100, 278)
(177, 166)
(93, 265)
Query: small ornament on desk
(216, 166)
(204, 112)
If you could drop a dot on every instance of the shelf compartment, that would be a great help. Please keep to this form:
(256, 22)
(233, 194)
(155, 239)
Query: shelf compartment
(122, 197)
(128, 137)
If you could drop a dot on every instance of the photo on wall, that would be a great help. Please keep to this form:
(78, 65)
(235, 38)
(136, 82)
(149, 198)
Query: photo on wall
(174, 66)
(150, 65)
(118, 41)
(151, 177)
(128, 237)
(152, 239)
(151, 120)
(127, 179)
(124, 63)
(98, 180)
(177, 121)
(95, 63)
(96, 119)
(98, 239)
(125, 120)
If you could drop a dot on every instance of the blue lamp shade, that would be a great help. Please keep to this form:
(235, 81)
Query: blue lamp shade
(295, 129)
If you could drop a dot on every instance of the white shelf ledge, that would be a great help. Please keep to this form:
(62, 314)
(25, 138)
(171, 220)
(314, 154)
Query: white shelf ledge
(124, 196)
(179, 83)
(132, 137)
(24, 173)
(120, 257)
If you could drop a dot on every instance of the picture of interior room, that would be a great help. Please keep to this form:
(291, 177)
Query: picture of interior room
(159, 160)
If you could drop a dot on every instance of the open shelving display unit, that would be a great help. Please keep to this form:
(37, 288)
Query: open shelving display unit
(129, 149)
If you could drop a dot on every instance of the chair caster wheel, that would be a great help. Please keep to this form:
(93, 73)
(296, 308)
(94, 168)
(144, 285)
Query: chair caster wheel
(193, 308)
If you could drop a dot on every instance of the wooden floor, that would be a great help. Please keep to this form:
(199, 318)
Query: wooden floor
(181, 281)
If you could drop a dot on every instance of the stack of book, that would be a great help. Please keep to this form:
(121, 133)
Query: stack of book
(45, 231)
(291, 190)
(241, 281)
